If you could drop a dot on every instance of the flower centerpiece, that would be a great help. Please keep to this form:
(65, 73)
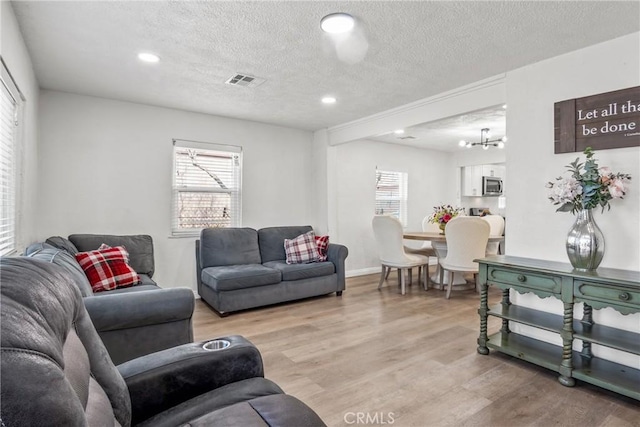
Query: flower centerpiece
(443, 214)
(588, 187)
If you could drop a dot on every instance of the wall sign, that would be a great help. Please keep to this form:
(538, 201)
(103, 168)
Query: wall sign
(603, 121)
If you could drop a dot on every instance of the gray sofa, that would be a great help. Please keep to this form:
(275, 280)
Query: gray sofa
(131, 321)
(242, 268)
(56, 371)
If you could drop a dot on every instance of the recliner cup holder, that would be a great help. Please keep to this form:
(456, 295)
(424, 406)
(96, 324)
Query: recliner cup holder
(214, 345)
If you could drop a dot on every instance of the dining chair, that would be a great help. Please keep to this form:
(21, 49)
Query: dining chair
(496, 228)
(467, 239)
(427, 248)
(388, 234)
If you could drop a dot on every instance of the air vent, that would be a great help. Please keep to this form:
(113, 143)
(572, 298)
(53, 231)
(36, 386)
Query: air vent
(244, 80)
(407, 137)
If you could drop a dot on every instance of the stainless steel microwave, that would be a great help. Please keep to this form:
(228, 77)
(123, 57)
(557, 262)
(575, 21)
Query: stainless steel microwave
(491, 186)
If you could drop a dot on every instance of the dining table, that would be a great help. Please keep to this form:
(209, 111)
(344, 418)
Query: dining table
(439, 243)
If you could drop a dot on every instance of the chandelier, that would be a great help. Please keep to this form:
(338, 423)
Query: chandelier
(485, 142)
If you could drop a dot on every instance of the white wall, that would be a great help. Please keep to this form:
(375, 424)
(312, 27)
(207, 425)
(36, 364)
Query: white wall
(106, 168)
(431, 182)
(535, 230)
(16, 57)
(531, 93)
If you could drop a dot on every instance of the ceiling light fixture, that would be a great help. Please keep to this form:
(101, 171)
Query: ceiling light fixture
(148, 57)
(328, 100)
(336, 23)
(485, 142)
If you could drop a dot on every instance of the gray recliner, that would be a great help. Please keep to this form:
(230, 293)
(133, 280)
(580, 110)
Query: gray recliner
(56, 372)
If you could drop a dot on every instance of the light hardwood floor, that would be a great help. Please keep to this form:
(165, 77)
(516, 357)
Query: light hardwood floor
(407, 361)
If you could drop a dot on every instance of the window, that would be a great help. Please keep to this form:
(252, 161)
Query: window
(206, 186)
(10, 98)
(391, 194)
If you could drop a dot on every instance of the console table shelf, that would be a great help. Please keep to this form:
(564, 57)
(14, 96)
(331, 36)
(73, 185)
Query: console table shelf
(612, 376)
(608, 337)
(528, 316)
(618, 289)
(528, 349)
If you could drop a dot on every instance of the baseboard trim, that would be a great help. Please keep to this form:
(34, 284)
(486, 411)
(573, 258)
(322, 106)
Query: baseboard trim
(362, 272)
(373, 270)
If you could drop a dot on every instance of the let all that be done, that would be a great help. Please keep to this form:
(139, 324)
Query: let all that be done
(608, 112)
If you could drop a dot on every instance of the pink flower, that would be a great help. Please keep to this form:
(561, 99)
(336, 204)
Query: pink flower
(446, 218)
(616, 189)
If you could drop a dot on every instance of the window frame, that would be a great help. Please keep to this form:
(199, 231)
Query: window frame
(235, 193)
(15, 174)
(402, 197)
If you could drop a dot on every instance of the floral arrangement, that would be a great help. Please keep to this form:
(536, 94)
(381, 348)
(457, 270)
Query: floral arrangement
(443, 214)
(588, 187)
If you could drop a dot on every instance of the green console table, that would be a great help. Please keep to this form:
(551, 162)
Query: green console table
(606, 287)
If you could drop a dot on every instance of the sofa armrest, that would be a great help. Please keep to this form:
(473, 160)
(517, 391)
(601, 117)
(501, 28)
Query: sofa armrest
(162, 380)
(337, 254)
(133, 324)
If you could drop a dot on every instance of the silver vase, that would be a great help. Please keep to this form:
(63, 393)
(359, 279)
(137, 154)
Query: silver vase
(585, 242)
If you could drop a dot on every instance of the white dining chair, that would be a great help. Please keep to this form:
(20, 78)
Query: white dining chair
(388, 235)
(467, 239)
(496, 228)
(427, 248)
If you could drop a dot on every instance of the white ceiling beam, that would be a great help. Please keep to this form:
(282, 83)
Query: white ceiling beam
(479, 95)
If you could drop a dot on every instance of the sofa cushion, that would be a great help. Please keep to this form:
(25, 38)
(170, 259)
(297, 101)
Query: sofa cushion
(214, 400)
(135, 288)
(50, 254)
(271, 410)
(229, 246)
(46, 338)
(140, 248)
(302, 271)
(62, 243)
(146, 280)
(271, 240)
(302, 249)
(108, 268)
(231, 277)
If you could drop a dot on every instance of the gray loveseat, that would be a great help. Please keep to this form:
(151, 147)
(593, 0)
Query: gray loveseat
(241, 268)
(131, 321)
(56, 372)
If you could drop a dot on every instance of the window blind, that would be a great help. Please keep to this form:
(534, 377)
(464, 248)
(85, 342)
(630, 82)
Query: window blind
(8, 165)
(391, 194)
(206, 186)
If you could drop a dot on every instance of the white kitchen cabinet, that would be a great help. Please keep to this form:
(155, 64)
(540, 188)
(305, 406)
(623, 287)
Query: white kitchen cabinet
(472, 177)
(493, 170)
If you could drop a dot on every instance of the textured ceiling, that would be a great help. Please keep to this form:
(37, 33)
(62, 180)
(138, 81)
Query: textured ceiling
(445, 134)
(401, 51)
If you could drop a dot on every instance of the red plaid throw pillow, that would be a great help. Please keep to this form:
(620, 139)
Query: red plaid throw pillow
(302, 249)
(107, 268)
(323, 246)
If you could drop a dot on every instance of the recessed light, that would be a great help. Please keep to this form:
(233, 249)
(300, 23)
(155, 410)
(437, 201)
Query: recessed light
(328, 100)
(148, 57)
(336, 23)
(462, 143)
(504, 106)
(398, 131)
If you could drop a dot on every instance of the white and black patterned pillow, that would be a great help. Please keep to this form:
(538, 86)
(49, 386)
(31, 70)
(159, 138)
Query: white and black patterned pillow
(302, 249)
